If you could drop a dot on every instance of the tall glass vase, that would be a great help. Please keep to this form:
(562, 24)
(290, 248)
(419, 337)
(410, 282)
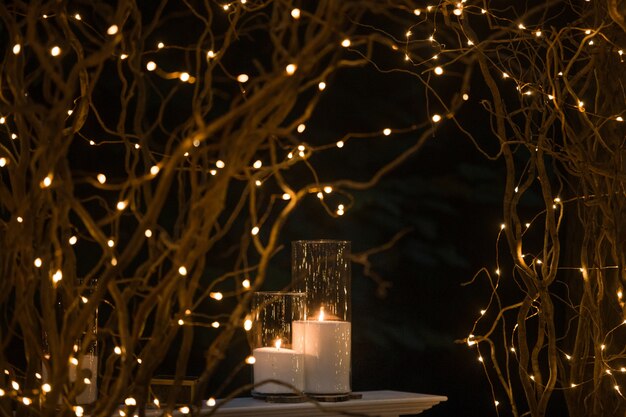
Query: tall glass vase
(321, 269)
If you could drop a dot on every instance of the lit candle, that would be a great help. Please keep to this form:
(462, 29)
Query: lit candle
(279, 363)
(326, 346)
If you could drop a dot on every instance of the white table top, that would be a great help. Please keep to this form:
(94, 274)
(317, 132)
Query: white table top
(373, 403)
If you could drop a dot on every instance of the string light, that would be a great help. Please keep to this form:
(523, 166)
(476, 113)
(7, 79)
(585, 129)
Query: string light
(328, 189)
(148, 233)
(215, 324)
(46, 387)
(55, 51)
(242, 78)
(151, 66)
(121, 205)
(255, 231)
(130, 401)
(210, 54)
(184, 77)
(27, 401)
(245, 283)
(14, 384)
(220, 164)
(301, 127)
(340, 144)
(250, 360)
(160, 45)
(110, 243)
(3, 162)
(117, 350)
(182, 271)
(13, 136)
(346, 43)
(387, 132)
(17, 48)
(286, 196)
(216, 295)
(123, 56)
(72, 241)
(438, 70)
(112, 30)
(154, 170)
(184, 410)
(37, 262)
(101, 178)
(436, 118)
(257, 164)
(295, 13)
(211, 402)
(79, 411)
(19, 219)
(321, 85)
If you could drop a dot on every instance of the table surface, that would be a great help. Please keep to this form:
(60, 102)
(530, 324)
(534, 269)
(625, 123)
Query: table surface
(373, 403)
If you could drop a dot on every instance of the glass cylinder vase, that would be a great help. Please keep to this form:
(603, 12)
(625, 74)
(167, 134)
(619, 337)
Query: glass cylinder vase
(321, 269)
(278, 369)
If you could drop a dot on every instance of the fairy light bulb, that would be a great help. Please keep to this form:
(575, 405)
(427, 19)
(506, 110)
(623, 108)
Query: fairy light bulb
(121, 205)
(27, 401)
(3, 162)
(215, 324)
(47, 181)
(245, 283)
(301, 128)
(250, 360)
(438, 70)
(291, 69)
(321, 85)
(387, 132)
(181, 322)
(117, 350)
(182, 270)
(436, 118)
(286, 196)
(328, 189)
(130, 401)
(242, 78)
(211, 402)
(216, 295)
(72, 241)
(247, 325)
(257, 164)
(17, 48)
(151, 66)
(619, 118)
(101, 178)
(210, 54)
(346, 43)
(184, 77)
(184, 410)
(295, 13)
(110, 243)
(79, 411)
(148, 233)
(417, 12)
(255, 231)
(258, 183)
(55, 51)
(37, 262)
(57, 276)
(160, 45)
(340, 144)
(112, 30)
(46, 387)
(154, 170)
(220, 164)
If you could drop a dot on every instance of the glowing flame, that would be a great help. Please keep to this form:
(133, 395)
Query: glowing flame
(321, 315)
(278, 343)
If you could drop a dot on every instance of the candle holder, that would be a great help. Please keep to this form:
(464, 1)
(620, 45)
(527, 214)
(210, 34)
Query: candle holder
(275, 358)
(321, 269)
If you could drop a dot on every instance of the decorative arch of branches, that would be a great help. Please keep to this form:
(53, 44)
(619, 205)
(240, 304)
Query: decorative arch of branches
(127, 160)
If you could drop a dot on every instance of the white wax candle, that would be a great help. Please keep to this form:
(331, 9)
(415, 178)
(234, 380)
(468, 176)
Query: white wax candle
(326, 348)
(282, 364)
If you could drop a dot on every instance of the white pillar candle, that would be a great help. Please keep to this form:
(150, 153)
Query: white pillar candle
(282, 364)
(326, 347)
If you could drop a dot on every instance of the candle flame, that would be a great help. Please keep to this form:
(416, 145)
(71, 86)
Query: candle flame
(278, 343)
(321, 315)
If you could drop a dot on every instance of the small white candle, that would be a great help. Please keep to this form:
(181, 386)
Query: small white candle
(282, 364)
(326, 347)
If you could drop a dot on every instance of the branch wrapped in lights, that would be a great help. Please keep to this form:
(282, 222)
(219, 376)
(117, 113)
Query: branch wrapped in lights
(132, 153)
